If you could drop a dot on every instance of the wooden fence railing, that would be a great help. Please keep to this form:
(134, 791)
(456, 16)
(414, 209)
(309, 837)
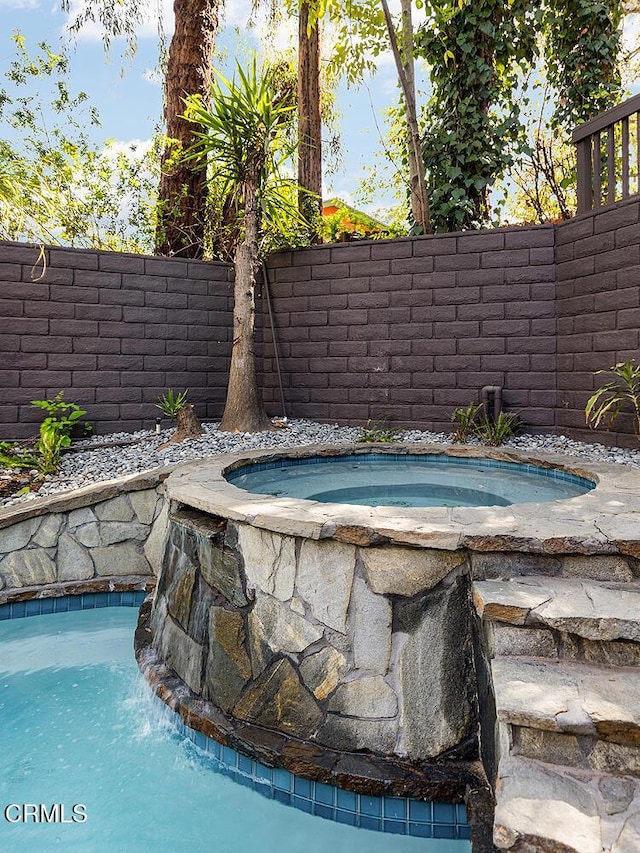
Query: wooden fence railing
(609, 156)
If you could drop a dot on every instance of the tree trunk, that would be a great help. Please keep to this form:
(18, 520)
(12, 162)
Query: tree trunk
(188, 426)
(309, 121)
(182, 193)
(243, 410)
(404, 65)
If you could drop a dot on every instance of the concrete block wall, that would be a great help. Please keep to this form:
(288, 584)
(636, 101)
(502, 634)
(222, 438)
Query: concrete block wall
(413, 328)
(114, 331)
(598, 311)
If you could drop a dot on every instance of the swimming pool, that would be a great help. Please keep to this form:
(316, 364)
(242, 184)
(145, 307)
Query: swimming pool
(406, 480)
(81, 728)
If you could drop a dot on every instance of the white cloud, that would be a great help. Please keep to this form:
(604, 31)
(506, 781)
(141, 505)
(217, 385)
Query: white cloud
(19, 4)
(152, 11)
(153, 76)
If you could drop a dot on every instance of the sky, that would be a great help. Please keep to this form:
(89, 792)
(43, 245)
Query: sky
(128, 93)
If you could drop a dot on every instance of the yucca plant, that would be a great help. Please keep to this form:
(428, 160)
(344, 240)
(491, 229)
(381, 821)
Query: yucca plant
(623, 391)
(499, 430)
(466, 421)
(246, 139)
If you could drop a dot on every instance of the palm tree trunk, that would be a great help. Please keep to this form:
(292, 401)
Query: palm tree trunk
(309, 121)
(243, 409)
(182, 194)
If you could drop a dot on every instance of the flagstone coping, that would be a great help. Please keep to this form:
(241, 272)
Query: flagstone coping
(606, 520)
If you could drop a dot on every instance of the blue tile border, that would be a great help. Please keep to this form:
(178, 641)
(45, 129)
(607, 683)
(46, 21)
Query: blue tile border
(66, 603)
(398, 815)
(416, 458)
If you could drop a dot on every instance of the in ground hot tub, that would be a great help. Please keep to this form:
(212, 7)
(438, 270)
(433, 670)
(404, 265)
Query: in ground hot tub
(339, 640)
(409, 480)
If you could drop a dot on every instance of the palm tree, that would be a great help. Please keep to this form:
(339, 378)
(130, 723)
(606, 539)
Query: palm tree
(183, 185)
(244, 137)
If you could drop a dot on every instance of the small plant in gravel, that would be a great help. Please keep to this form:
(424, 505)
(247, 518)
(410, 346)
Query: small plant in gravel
(378, 431)
(473, 422)
(170, 403)
(497, 432)
(605, 405)
(466, 421)
(55, 430)
(16, 455)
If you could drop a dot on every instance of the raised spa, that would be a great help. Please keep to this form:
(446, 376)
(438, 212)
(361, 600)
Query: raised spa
(406, 480)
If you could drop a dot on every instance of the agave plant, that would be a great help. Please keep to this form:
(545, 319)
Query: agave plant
(623, 390)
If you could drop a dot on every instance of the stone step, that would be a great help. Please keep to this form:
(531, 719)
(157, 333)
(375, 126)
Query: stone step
(569, 697)
(590, 609)
(547, 810)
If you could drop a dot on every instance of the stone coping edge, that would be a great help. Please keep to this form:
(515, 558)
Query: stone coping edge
(602, 521)
(78, 498)
(449, 780)
(117, 583)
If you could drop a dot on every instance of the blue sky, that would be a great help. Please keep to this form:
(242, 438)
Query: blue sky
(128, 95)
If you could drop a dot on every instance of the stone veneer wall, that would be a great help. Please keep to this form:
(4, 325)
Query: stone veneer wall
(598, 309)
(79, 542)
(353, 648)
(114, 331)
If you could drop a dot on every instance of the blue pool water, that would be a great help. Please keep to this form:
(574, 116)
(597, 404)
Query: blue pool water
(78, 726)
(406, 480)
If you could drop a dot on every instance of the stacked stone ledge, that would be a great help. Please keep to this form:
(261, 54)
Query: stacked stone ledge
(565, 662)
(104, 537)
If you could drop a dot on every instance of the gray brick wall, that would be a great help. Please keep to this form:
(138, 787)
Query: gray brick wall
(408, 328)
(114, 331)
(598, 310)
(414, 327)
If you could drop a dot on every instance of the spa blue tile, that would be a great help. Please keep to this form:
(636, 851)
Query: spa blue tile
(302, 787)
(245, 765)
(444, 831)
(282, 796)
(347, 817)
(263, 773)
(464, 832)
(370, 806)
(263, 788)
(398, 827)
(282, 779)
(18, 609)
(421, 830)
(395, 808)
(367, 822)
(444, 813)
(461, 813)
(228, 757)
(347, 800)
(75, 602)
(323, 793)
(420, 812)
(323, 811)
(302, 803)
(88, 600)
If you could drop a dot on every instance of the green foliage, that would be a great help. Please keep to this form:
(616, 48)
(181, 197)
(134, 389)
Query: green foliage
(475, 51)
(55, 186)
(55, 430)
(583, 40)
(170, 403)
(378, 431)
(473, 422)
(497, 432)
(15, 455)
(466, 421)
(247, 137)
(622, 391)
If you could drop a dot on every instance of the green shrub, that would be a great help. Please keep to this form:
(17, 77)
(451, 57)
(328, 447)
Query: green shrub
(170, 403)
(55, 430)
(605, 405)
(378, 431)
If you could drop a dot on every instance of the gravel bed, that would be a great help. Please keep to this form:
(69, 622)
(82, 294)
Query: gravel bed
(130, 453)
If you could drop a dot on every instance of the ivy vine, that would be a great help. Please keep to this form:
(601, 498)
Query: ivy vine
(476, 51)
